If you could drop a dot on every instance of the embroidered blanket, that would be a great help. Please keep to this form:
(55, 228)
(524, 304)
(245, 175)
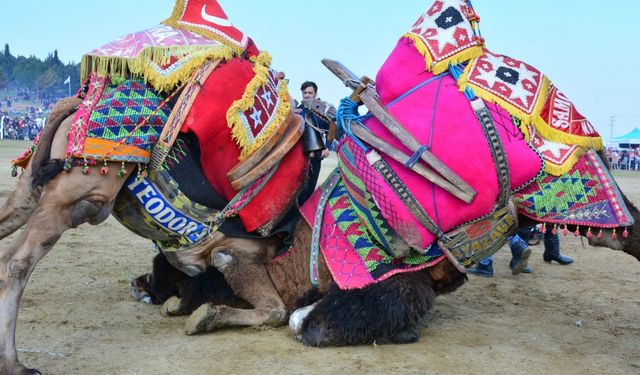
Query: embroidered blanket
(239, 105)
(117, 122)
(586, 195)
(164, 56)
(440, 117)
(446, 34)
(546, 118)
(353, 253)
(167, 55)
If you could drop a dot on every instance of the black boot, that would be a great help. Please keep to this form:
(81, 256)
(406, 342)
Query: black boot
(552, 249)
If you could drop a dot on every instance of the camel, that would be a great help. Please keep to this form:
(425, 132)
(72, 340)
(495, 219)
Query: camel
(48, 203)
(267, 288)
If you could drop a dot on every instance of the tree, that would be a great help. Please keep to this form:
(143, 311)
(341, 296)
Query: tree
(7, 53)
(27, 70)
(4, 81)
(50, 80)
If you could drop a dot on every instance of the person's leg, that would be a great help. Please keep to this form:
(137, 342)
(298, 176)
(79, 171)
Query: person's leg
(483, 268)
(552, 249)
(520, 253)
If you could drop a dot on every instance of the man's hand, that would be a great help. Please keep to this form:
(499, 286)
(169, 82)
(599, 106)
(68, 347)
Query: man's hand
(325, 153)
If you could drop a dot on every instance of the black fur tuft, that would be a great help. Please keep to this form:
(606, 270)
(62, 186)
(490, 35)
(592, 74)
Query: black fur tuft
(389, 311)
(47, 170)
(312, 296)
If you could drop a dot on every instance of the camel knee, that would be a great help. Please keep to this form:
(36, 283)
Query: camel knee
(18, 269)
(276, 316)
(92, 212)
(223, 261)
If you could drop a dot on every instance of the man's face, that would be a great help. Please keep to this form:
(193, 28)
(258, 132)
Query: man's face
(308, 93)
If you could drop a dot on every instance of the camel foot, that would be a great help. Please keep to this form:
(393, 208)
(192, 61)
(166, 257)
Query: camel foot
(172, 307)
(203, 319)
(296, 320)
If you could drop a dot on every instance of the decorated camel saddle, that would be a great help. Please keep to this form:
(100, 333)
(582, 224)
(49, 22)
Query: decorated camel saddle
(457, 142)
(194, 85)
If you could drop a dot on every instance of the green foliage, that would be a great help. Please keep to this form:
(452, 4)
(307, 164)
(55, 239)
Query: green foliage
(4, 81)
(46, 77)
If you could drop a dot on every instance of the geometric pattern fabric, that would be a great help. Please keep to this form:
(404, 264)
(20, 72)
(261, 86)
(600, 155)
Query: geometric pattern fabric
(124, 107)
(117, 122)
(353, 256)
(587, 195)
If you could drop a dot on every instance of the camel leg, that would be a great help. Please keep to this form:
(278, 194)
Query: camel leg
(250, 281)
(43, 230)
(66, 202)
(17, 209)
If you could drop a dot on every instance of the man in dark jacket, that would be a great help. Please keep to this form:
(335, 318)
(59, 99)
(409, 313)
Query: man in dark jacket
(314, 140)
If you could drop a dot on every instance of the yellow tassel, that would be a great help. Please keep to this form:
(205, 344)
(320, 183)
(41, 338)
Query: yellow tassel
(565, 138)
(558, 170)
(142, 65)
(441, 66)
(514, 111)
(234, 119)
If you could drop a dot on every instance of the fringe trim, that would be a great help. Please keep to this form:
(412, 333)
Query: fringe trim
(441, 66)
(142, 65)
(176, 14)
(234, 113)
(525, 118)
(550, 168)
(559, 136)
(559, 170)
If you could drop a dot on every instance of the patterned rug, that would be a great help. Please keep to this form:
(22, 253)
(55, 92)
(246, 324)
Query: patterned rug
(515, 85)
(117, 122)
(586, 195)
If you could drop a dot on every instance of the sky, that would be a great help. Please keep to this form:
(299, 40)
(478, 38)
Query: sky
(587, 48)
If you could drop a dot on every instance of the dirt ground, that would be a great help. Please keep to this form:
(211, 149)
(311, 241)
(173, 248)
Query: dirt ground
(77, 317)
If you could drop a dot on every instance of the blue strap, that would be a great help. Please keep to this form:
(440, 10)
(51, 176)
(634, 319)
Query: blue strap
(347, 113)
(456, 71)
(416, 156)
(415, 88)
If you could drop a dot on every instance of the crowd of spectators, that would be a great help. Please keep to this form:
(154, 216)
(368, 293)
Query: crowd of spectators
(628, 159)
(22, 115)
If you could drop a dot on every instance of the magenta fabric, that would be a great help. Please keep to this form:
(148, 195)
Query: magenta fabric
(458, 140)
